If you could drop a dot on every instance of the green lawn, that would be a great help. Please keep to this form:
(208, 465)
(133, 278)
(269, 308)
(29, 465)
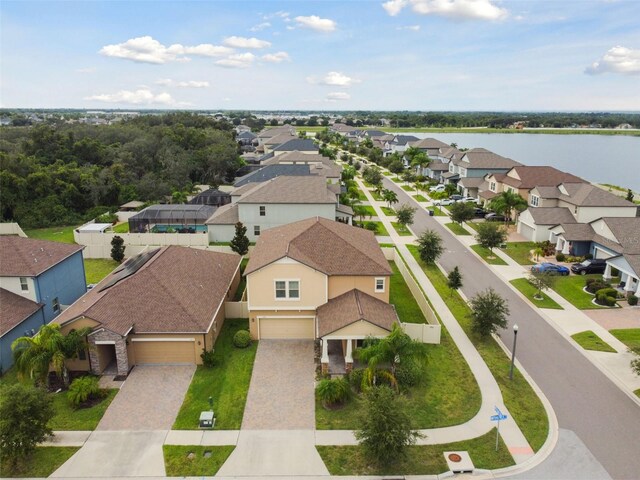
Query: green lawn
(390, 212)
(55, 234)
(519, 397)
(421, 459)
(227, 383)
(529, 291)
(361, 196)
(457, 228)
(380, 228)
(69, 418)
(519, 251)
(570, 288)
(96, 269)
(590, 341)
(408, 188)
(243, 281)
(637, 393)
(487, 255)
(376, 195)
(473, 225)
(368, 210)
(402, 231)
(448, 394)
(43, 462)
(437, 211)
(121, 228)
(177, 463)
(629, 336)
(420, 198)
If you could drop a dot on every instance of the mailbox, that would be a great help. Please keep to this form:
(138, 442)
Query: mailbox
(207, 420)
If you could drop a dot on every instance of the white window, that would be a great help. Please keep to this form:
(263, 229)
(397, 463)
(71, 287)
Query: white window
(256, 230)
(263, 210)
(534, 200)
(56, 305)
(379, 285)
(24, 286)
(492, 186)
(287, 289)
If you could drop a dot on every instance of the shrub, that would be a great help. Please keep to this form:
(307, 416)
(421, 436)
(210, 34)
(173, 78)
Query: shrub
(355, 378)
(560, 257)
(588, 256)
(334, 391)
(632, 300)
(606, 296)
(547, 247)
(595, 284)
(82, 389)
(242, 339)
(408, 374)
(208, 358)
(107, 218)
(371, 226)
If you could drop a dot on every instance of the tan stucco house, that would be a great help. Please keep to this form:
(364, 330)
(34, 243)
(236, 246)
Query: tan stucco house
(319, 279)
(164, 306)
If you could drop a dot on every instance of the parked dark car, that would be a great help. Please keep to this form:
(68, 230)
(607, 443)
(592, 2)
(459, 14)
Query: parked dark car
(480, 213)
(594, 265)
(494, 217)
(455, 197)
(550, 268)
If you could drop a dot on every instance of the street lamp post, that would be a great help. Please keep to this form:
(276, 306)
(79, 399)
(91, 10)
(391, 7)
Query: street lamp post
(513, 351)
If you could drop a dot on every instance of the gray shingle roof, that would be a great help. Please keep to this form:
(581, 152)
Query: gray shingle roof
(15, 309)
(295, 190)
(272, 171)
(301, 144)
(225, 215)
(551, 215)
(429, 143)
(29, 257)
(481, 158)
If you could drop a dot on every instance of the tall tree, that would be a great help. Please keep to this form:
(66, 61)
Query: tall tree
(430, 246)
(454, 279)
(489, 312)
(490, 235)
(390, 197)
(404, 215)
(240, 242)
(506, 202)
(541, 281)
(461, 212)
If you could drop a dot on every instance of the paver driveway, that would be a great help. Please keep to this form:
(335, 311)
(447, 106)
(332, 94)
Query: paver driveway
(281, 393)
(149, 399)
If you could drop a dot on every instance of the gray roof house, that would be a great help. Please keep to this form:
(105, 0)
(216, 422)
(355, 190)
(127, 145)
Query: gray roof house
(304, 145)
(269, 172)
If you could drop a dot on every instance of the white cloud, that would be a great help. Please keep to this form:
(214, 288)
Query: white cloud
(336, 79)
(456, 9)
(167, 82)
(243, 42)
(334, 96)
(260, 26)
(617, 60)
(276, 57)
(316, 23)
(86, 70)
(280, 14)
(240, 60)
(149, 50)
(137, 97)
(413, 28)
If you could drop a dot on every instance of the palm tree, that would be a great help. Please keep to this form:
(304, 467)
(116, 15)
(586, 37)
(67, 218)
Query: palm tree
(390, 197)
(34, 356)
(393, 349)
(507, 201)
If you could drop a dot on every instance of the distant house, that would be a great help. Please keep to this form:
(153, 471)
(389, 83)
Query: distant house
(302, 145)
(282, 200)
(399, 144)
(269, 172)
(270, 144)
(164, 306)
(268, 133)
(19, 317)
(318, 164)
(182, 218)
(48, 273)
(132, 206)
(430, 146)
(477, 162)
(211, 196)
(318, 279)
(612, 239)
(581, 201)
(247, 140)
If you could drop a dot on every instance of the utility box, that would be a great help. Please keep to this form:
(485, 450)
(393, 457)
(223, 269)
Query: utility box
(207, 420)
(431, 213)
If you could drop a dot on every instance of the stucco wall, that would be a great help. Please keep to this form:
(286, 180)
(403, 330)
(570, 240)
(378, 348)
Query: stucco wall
(281, 214)
(342, 284)
(13, 285)
(360, 329)
(66, 281)
(34, 322)
(589, 214)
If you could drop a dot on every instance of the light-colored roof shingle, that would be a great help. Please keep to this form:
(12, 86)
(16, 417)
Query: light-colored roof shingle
(29, 257)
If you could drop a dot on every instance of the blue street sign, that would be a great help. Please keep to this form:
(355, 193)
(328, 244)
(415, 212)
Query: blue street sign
(497, 418)
(497, 410)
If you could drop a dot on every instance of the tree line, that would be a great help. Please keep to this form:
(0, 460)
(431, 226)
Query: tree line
(63, 174)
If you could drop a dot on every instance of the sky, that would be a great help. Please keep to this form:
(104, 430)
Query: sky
(490, 55)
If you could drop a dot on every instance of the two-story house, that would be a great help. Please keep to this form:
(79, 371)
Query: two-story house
(282, 200)
(474, 164)
(582, 202)
(301, 145)
(399, 144)
(318, 279)
(318, 164)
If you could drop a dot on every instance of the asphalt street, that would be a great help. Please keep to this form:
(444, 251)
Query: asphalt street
(585, 400)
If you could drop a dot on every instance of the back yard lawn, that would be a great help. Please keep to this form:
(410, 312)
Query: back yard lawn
(96, 269)
(55, 234)
(227, 382)
(519, 251)
(571, 289)
(488, 256)
(529, 291)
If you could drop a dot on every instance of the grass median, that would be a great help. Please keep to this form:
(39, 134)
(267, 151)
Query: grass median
(42, 463)
(519, 397)
(590, 341)
(487, 255)
(194, 460)
(457, 228)
(524, 286)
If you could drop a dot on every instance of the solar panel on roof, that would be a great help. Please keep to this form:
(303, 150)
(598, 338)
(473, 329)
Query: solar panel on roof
(129, 267)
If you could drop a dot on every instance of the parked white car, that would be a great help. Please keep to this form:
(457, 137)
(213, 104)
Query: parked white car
(437, 188)
(444, 203)
(468, 199)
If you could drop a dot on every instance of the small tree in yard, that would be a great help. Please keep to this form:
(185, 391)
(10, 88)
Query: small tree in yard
(541, 281)
(454, 280)
(489, 312)
(25, 412)
(490, 235)
(240, 242)
(385, 431)
(451, 188)
(117, 248)
(462, 212)
(430, 246)
(404, 215)
(390, 197)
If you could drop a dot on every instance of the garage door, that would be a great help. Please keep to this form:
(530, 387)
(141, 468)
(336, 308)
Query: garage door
(164, 352)
(527, 232)
(286, 328)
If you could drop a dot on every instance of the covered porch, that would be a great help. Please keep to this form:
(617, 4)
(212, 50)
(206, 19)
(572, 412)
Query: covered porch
(629, 283)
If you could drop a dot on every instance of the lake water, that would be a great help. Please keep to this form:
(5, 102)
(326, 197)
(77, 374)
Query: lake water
(613, 159)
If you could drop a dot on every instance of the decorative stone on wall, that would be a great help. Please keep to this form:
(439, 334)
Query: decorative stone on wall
(122, 359)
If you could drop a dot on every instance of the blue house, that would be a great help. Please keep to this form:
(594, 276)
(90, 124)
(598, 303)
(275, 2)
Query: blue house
(47, 273)
(19, 317)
